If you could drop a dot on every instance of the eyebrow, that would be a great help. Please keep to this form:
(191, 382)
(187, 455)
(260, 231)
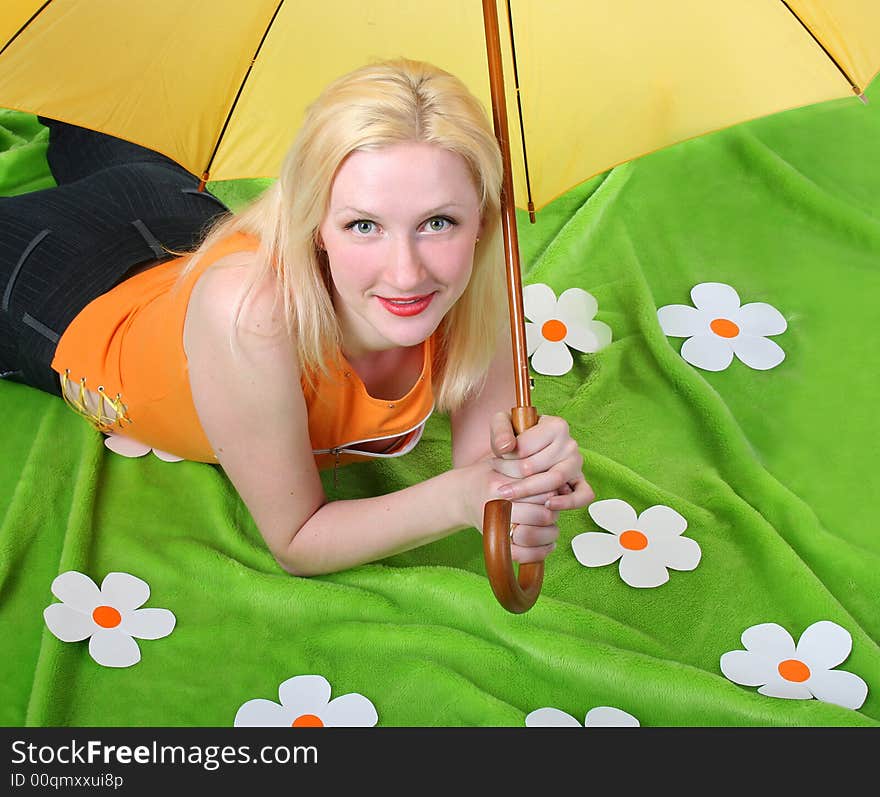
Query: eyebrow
(432, 212)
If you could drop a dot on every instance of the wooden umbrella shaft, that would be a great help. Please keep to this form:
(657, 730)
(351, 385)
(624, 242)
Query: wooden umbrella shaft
(516, 594)
(508, 207)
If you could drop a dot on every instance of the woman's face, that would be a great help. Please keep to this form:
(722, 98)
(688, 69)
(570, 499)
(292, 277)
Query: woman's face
(400, 234)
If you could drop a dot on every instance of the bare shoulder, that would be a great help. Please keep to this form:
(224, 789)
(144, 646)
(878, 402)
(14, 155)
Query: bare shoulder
(236, 295)
(234, 324)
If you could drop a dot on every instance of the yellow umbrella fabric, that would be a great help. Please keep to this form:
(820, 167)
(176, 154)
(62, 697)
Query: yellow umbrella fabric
(600, 82)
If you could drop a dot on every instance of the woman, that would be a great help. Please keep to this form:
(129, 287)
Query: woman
(322, 325)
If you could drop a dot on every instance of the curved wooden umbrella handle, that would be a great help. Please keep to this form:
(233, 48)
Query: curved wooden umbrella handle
(517, 595)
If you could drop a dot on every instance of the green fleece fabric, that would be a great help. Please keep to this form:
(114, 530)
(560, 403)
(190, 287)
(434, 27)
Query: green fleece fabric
(775, 472)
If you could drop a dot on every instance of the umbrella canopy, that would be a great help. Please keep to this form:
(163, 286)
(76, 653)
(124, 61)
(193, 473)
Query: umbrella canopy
(599, 83)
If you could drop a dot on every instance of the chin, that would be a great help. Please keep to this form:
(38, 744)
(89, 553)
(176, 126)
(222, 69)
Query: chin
(411, 337)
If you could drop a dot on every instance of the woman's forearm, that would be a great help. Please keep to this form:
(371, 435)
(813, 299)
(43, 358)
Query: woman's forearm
(344, 534)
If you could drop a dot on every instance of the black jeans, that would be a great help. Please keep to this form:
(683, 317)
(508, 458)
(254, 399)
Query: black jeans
(116, 207)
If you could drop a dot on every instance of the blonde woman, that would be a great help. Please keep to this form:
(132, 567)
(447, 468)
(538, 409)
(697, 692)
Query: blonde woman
(321, 325)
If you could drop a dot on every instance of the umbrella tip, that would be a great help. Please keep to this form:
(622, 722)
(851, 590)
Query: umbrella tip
(863, 98)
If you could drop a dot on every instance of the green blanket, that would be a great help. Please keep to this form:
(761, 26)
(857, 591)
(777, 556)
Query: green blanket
(774, 471)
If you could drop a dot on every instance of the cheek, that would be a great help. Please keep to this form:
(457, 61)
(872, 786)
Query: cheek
(456, 263)
(351, 268)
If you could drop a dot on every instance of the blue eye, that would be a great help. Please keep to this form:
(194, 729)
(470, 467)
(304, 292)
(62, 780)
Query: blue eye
(361, 226)
(439, 223)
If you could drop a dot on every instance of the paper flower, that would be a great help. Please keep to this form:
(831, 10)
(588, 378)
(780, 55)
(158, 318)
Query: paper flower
(108, 617)
(126, 447)
(780, 668)
(646, 545)
(599, 717)
(718, 327)
(557, 324)
(305, 703)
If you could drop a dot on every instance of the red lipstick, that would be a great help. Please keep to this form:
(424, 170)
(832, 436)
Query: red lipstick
(406, 307)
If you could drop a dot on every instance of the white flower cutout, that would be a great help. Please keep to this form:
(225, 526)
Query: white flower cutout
(557, 324)
(717, 327)
(773, 662)
(109, 617)
(646, 545)
(305, 703)
(598, 717)
(126, 447)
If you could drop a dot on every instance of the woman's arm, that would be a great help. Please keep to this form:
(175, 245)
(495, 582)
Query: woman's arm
(247, 393)
(476, 432)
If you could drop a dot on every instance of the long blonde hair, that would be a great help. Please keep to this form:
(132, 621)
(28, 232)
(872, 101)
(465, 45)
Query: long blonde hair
(378, 105)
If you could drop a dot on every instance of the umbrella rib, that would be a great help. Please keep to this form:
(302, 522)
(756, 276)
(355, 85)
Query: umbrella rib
(21, 29)
(207, 172)
(522, 130)
(856, 89)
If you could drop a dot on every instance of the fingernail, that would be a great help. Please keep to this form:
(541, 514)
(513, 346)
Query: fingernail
(505, 491)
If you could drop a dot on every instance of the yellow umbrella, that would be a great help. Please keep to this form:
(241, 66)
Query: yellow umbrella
(601, 82)
(220, 86)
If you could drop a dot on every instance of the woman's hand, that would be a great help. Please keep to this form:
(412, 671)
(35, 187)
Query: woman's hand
(534, 529)
(540, 472)
(543, 460)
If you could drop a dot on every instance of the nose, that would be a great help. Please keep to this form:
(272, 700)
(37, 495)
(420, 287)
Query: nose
(406, 271)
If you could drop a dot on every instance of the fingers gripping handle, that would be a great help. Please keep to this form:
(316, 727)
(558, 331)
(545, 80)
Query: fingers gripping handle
(515, 595)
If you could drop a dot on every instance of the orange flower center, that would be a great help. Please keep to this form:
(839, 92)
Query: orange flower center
(724, 328)
(106, 617)
(794, 670)
(554, 330)
(307, 721)
(633, 540)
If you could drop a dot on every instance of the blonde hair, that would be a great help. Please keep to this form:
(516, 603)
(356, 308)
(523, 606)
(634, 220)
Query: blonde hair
(378, 105)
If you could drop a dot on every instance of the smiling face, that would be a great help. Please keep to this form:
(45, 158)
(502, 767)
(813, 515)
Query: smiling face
(399, 232)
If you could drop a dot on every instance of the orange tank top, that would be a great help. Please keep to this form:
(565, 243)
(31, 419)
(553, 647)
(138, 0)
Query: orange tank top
(127, 345)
